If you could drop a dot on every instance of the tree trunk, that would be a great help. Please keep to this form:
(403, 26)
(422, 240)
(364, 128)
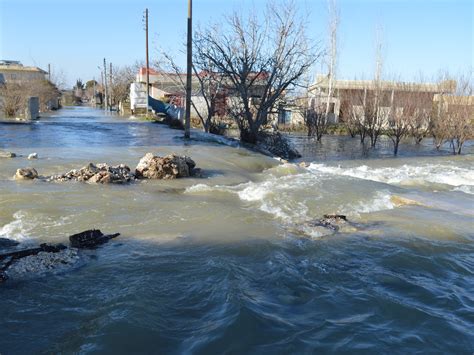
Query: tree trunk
(247, 135)
(395, 146)
(373, 140)
(460, 144)
(319, 136)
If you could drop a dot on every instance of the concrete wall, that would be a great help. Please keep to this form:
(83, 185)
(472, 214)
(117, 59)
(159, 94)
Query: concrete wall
(32, 108)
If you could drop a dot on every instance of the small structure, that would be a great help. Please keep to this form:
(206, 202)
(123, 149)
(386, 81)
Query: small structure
(32, 109)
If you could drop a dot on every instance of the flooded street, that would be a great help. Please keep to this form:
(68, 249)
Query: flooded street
(228, 262)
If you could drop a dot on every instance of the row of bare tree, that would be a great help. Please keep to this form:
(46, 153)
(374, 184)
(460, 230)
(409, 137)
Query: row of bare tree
(408, 110)
(399, 111)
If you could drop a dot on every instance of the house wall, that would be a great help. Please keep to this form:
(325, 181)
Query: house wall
(20, 74)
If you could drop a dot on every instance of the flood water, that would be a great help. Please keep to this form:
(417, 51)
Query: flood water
(226, 263)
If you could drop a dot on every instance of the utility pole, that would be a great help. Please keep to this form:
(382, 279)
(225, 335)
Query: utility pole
(147, 62)
(187, 123)
(111, 85)
(101, 87)
(49, 72)
(106, 100)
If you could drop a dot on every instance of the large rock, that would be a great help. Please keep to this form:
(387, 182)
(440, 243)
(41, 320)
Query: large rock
(100, 173)
(169, 167)
(26, 174)
(33, 156)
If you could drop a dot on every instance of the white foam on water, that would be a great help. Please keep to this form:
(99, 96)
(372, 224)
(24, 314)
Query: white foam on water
(199, 188)
(405, 174)
(257, 191)
(467, 189)
(19, 228)
(274, 195)
(380, 202)
(302, 195)
(25, 225)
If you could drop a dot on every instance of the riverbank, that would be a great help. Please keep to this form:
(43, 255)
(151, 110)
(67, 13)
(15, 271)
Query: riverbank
(209, 265)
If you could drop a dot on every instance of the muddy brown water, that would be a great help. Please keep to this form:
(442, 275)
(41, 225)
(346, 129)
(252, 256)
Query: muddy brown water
(219, 264)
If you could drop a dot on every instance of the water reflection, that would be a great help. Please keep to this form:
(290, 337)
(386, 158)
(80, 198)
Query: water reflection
(344, 147)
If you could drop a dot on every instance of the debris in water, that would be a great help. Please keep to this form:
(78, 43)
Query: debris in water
(90, 239)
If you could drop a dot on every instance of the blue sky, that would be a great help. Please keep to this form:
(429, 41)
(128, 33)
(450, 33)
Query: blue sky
(74, 36)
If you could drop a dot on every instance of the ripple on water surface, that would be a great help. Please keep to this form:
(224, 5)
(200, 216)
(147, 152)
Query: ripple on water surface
(338, 294)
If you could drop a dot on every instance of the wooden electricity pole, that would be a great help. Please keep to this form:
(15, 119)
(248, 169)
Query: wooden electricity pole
(106, 99)
(111, 85)
(187, 123)
(147, 62)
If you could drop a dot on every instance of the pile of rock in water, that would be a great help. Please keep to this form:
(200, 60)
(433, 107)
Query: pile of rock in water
(328, 225)
(149, 167)
(100, 173)
(46, 256)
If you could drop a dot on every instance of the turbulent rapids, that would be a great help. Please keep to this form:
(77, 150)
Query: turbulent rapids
(238, 259)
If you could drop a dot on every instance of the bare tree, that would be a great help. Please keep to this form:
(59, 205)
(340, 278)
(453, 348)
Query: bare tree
(58, 78)
(374, 114)
(12, 98)
(45, 90)
(439, 126)
(453, 118)
(354, 112)
(402, 108)
(313, 118)
(122, 77)
(211, 89)
(347, 117)
(260, 60)
(420, 121)
(460, 114)
(317, 122)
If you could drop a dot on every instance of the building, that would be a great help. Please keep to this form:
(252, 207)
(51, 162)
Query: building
(32, 81)
(351, 94)
(169, 88)
(14, 72)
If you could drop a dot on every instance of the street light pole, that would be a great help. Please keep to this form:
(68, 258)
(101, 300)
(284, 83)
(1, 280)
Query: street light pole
(187, 123)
